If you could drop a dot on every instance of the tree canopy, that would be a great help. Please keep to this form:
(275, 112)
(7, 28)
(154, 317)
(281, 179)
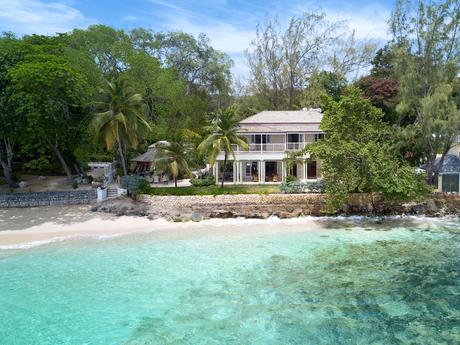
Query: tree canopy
(357, 154)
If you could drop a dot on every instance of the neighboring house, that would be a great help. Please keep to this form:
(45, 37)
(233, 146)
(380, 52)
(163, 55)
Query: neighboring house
(449, 173)
(143, 162)
(271, 136)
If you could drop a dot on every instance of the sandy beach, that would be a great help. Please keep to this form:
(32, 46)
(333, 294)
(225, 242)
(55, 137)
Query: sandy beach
(31, 227)
(22, 228)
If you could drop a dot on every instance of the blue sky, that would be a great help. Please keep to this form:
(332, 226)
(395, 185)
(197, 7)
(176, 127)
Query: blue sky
(230, 25)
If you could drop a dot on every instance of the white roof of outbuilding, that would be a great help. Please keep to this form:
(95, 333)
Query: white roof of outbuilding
(303, 116)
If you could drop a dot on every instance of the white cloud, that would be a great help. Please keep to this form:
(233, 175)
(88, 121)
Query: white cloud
(36, 16)
(223, 36)
(368, 22)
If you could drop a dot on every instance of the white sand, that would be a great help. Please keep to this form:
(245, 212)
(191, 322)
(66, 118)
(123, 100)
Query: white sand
(30, 227)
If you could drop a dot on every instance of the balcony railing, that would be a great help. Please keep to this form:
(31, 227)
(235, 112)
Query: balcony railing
(272, 147)
(296, 146)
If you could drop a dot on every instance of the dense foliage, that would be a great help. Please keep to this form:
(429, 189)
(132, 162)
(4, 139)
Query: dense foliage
(207, 180)
(357, 153)
(60, 94)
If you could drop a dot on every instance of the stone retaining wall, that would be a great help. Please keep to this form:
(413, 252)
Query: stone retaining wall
(55, 198)
(292, 205)
(242, 205)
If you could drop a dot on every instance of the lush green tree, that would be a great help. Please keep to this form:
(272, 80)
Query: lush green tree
(329, 83)
(12, 51)
(223, 134)
(427, 65)
(357, 153)
(203, 67)
(49, 93)
(108, 48)
(121, 121)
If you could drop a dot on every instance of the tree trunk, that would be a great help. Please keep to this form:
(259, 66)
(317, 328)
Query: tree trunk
(122, 159)
(8, 174)
(223, 170)
(80, 169)
(175, 181)
(58, 154)
(7, 164)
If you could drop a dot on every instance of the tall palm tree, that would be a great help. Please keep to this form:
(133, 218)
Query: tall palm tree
(224, 134)
(171, 157)
(122, 120)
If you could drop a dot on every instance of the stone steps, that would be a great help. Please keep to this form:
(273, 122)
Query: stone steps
(112, 193)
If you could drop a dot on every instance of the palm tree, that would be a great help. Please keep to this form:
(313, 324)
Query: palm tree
(171, 157)
(122, 122)
(224, 134)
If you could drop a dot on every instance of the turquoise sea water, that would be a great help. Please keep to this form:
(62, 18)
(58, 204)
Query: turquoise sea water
(350, 282)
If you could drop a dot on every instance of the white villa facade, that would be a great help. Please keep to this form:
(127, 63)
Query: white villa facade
(271, 135)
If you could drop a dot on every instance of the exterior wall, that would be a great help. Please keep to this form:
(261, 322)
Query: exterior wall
(455, 150)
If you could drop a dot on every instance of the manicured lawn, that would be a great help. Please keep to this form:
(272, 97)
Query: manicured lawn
(213, 190)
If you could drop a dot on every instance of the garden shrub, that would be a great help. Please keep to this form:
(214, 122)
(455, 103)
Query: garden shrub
(205, 181)
(290, 178)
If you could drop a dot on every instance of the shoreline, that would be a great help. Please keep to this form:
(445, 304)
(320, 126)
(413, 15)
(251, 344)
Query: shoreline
(29, 228)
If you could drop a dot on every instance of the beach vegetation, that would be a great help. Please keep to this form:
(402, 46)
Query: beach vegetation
(357, 153)
(121, 119)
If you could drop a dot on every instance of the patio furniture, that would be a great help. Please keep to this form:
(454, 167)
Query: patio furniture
(156, 179)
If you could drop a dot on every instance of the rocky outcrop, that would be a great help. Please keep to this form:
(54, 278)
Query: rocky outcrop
(196, 208)
(122, 206)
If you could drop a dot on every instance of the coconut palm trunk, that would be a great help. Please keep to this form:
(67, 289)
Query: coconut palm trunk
(224, 169)
(122, 159)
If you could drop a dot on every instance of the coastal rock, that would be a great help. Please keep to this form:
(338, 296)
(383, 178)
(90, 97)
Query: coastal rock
(222, 214)
(23, 184)
(197, 208)
(296, 213)
(196, 217)
(122, 207)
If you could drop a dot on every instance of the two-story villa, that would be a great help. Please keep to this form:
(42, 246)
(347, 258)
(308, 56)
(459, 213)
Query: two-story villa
(271, 135)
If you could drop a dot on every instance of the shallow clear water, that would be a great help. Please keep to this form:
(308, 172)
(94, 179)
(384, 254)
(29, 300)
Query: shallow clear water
(350, 282)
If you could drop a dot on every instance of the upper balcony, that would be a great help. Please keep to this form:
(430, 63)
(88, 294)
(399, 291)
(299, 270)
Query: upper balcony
(277, 142)
(279, 147)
